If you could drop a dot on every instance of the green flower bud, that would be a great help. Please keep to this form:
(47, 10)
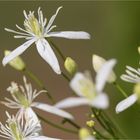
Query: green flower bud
(97, 63)
(70, 65)
(136, 90)
(84, 133)
(139, 49)
(17, 63)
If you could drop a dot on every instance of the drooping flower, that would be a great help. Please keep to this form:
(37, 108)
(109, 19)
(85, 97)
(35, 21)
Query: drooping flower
(36, 30)
(97, 63)
(90, 93)
(23, 99)
(19, 128)
(133, 76)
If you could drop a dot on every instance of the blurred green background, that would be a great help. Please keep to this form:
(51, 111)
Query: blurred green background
(115, 33)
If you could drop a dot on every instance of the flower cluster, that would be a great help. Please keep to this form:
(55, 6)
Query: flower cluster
(26, 124)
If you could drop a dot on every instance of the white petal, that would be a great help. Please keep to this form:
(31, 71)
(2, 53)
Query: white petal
(75, 83)
(101, 101)
(104, 73)
(42, 138)
(72, 102)
(52, 109)
(70, 34)
(30, 114)
(52, 19)
(48, 55)
(124, 104)
(18, 51)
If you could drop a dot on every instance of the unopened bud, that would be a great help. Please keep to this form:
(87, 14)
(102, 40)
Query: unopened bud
(70, 65)
(90, 123)
(137, 90)
(139, 49)
(17, 62)
(97, 63)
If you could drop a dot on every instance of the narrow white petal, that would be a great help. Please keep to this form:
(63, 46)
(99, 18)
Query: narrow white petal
(101, 101)
(75, 83)
(52, 18)
(48, 55)
(30, 114)
(18, 51)
(124, 104)
(52, 109)
(70, 34)
(104, 73)
(72, 102)
(43, 138)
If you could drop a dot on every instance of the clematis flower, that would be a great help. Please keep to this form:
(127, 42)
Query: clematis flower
(19, 128)
(97, 63)
(23, 100)
(132, 76)
(36, 30)
(90, 93)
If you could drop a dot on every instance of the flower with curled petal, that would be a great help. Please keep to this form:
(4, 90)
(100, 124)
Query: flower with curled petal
(37, 31)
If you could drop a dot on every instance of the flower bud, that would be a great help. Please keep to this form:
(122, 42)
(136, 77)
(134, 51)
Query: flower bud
(90, 123)
(97, 63)
(136, 90)
(70, 65)
(17, 62)
(139, 49)
(84, 134)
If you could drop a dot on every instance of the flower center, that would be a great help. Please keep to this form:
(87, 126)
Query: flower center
(32, 25)
(87, 88)
(19, 96)
(15, 130)
(22, 99)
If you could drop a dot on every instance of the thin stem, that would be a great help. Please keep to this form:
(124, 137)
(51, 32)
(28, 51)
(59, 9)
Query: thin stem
(114, 125)
(58, 50)
(38, 82)
(102, 124)
(72, 123)
(65, 76)
(57, 126)
(99, 134)
(120, 89)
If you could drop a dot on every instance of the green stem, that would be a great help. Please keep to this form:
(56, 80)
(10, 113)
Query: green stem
(99, 134)
(65, 76)
(102, 124)
(57, 126)
(58, 50)
(72, 123)
(120, 89)
(38, 82)
(114, 125)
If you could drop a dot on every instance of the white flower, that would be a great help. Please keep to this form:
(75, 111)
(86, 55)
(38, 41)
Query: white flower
(19, 128)
(23, 100)
(90, 93)
(97, 63)
(36, 30)
(132, 76)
